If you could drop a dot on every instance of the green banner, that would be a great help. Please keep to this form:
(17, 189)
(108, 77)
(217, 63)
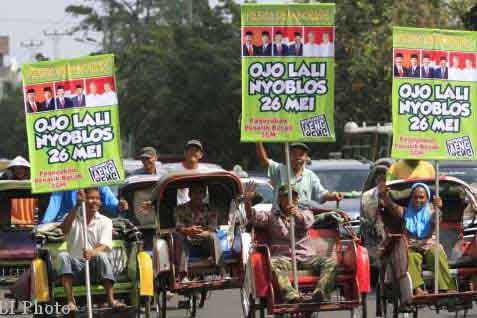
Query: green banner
(288, 72)
(434, 94)
(72, 120)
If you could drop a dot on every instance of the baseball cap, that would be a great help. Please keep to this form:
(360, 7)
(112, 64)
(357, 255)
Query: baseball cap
(283, 190)
(147, 152)
(19, 161)
(194, 143)
(300, 145)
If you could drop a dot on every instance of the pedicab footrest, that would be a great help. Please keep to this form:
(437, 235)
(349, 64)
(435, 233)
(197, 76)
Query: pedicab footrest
(208, 284)
(425, 299)
(310, 307)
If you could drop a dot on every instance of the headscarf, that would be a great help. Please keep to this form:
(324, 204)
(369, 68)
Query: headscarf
(419, 221)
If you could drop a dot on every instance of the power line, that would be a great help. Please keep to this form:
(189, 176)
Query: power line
(31, 46)
(56, 35)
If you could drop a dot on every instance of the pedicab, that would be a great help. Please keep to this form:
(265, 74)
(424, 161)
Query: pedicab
(395, 293)
(20, 211)
(132, 268)
(204, 276)
(332, 238)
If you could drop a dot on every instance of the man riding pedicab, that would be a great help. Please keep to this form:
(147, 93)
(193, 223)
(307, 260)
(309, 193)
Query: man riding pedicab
(71, 264)
(277, 224)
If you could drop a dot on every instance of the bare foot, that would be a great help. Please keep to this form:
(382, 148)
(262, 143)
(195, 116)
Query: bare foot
(72, 307)
(420, 292)
(116, 304)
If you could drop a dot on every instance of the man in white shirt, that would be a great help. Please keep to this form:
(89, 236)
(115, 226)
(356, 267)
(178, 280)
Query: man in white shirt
(109, 96)
(93, 98)
(326, 48)
(469, 73)
(455, 73)
(98, 248)
(311, 48)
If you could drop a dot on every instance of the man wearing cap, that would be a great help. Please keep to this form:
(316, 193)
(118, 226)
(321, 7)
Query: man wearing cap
(277, 225)
(17, 169)
(49, 102)
(193, 154)
(148, 157)
(31, 104)
(306, 181)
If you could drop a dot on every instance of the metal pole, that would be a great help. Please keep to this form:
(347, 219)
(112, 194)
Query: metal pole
(292, 220)
(436, 254)
(89, 305)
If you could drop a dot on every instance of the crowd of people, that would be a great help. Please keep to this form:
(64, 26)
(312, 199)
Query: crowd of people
(197, 220)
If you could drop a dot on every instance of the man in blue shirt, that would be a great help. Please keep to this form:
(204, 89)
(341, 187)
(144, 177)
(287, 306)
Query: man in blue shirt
(62, 202)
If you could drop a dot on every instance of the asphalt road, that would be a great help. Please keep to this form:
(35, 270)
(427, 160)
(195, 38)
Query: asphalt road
(227, 304)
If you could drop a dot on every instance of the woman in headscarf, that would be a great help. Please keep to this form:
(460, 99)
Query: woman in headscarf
(419, 222)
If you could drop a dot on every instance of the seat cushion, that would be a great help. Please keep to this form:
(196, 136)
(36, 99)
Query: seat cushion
(17, 245)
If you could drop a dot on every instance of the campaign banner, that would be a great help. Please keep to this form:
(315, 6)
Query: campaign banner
(434, 94)
(288, 72)
(72, 120)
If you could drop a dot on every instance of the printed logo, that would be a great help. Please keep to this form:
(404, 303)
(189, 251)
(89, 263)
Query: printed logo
(460, 147)
(103, 172)
(315, 126)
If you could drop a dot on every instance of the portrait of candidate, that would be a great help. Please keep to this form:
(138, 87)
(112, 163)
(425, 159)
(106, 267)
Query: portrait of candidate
(32, 106)
(49, 102)
(326, 48)
(109, 96)
(469, 73)
(427, 71)
(399, 69)
(93, 98)
(248, 49)
(61, 100)
(79, 100)
(266, 48)
(296, 49)
(443, 72)
(279, 48)
(311, 48)
(414, 69)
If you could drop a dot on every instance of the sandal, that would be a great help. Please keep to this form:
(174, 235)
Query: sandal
(118, 305)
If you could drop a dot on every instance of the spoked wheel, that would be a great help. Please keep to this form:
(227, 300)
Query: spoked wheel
(248, 304)
(203, 298)
(193, 305)
(162, 299)
(361, 311)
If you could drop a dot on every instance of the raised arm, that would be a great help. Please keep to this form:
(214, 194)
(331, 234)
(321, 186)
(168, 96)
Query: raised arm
(262, 154)
(386, 201)
(69, 219)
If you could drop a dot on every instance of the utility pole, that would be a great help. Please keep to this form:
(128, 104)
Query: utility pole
(56, 36)
(32, 47)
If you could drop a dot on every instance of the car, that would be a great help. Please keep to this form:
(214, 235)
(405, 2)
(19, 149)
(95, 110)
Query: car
(343, 175)
(264, 189)
(464, 170)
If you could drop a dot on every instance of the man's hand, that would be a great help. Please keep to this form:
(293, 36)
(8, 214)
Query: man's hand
(249, 191)
(292, 210)
(89, 254)
(123, 205)
(80, 197)
(339, 196)
(437, 201)
(145, 207)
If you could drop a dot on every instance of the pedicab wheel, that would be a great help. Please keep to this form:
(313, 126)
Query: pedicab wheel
(248, 304)
(193, 306)
(203, 298)
(162, 298)
(147, 307)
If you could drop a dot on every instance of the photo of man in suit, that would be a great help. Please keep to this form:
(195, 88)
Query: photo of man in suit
(414, 69)
(443, 71)
(426, 69)
(49, 102)
(62, 102)
(248, 49)
(279, 49)
(311, 48)
(296, 49)
(266, 48)
(79, 100)
(31, 104)
(399, 69)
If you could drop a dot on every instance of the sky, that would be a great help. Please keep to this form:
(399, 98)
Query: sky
(26, 20)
